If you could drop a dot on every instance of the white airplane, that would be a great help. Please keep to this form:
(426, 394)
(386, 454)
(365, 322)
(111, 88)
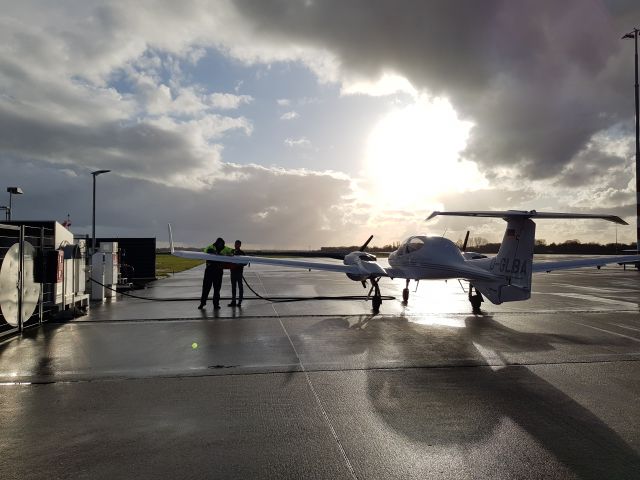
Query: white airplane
(505, 277)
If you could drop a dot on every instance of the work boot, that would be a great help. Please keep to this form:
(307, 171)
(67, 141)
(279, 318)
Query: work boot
(201, 306)
(232, 304)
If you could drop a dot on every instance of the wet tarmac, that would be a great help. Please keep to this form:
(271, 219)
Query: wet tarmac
(548, 388)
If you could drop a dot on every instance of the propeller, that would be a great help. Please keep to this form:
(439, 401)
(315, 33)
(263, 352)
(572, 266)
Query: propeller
(362, 249)
(366, 244)
(464, 244)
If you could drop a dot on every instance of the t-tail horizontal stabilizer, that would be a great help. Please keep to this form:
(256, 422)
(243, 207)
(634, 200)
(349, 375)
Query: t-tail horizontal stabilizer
(528, 214)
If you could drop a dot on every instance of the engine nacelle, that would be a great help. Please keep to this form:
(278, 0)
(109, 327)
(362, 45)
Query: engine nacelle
(356, 257)
(358, 278)
(365, 262)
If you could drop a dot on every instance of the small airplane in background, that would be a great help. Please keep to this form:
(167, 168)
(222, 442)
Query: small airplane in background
(505, 277)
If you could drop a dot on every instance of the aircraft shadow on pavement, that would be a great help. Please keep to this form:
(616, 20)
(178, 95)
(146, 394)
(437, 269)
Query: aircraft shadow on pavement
(465, 406)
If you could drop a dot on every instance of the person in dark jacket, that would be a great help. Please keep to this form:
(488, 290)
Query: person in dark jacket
(213, 274)
(236, 277)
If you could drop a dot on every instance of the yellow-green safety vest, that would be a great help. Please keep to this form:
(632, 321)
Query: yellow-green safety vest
(212, 249)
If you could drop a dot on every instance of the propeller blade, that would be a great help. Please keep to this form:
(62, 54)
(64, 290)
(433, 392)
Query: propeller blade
(464, 244)
(362, 248)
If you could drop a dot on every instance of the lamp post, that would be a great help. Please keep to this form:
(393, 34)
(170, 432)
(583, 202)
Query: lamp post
(12, 191)
(93, 218)
(634, 35)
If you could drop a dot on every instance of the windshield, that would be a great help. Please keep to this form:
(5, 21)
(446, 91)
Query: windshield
(411, 245)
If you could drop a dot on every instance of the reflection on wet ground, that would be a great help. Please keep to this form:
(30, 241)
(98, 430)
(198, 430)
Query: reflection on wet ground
(547, 388)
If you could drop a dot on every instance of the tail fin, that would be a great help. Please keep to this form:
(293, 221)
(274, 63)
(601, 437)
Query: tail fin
(170, 238)
(514, 260)
(513, 263)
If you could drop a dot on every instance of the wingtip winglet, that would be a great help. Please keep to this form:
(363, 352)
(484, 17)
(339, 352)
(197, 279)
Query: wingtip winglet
(170, 238)
(618, 220)
(433, 214)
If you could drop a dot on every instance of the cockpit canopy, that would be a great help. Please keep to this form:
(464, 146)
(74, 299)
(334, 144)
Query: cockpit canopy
(411, 244)
(430, 246)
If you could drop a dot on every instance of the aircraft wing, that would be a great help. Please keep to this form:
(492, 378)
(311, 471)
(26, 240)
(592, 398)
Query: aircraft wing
(244, 259)
(583, 262)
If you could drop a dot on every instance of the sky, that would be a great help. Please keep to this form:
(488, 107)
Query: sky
(307, 123)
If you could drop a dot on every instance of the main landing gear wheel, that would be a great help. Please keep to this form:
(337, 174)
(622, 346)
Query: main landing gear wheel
(376, 300)
(375, 304)
(475, 300)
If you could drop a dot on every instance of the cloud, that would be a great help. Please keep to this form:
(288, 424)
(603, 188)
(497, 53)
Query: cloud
(297, 142)
(537, 90)
(387, 84)
(537, 84)
(228, 101)
(162, 150)
(107, 85)
(101, 87)
(289, 115)
(265, 207)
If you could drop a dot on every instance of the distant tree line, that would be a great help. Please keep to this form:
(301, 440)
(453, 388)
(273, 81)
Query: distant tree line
(475, 244)
(569, 247)
(385, 248)
(482, 245)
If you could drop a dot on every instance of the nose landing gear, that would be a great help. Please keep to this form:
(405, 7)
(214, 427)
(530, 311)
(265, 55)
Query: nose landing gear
(405, 293)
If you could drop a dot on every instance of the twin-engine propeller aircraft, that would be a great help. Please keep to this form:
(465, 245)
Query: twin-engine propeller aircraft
(503, 278)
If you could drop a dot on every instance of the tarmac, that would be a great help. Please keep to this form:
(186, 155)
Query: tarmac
(547, 388)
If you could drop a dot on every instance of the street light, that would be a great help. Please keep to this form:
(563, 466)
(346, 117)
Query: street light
(93, 221)
(12, 191)
(634, 36)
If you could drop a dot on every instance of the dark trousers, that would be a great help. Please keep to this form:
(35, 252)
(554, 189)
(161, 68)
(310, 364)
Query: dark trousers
(212, 278)
(236, 279)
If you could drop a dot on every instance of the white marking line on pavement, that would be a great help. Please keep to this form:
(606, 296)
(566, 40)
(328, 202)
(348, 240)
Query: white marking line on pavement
(627, 327)
(324, 412)
(597, 299)
(313, 391)
(609, 331)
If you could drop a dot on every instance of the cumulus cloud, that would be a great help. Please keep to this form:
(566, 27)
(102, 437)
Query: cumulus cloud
(62, 99)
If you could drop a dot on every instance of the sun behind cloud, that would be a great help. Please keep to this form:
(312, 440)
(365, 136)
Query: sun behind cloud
(413, 155)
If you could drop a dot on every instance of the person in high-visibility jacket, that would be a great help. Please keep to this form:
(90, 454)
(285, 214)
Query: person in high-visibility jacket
(236, 272)
(213, 273)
